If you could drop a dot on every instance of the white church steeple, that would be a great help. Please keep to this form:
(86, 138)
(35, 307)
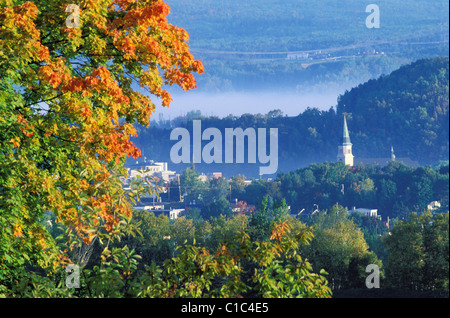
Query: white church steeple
(345, 150)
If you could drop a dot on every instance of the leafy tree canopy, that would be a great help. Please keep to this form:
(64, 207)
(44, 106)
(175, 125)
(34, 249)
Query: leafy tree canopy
(63, 90)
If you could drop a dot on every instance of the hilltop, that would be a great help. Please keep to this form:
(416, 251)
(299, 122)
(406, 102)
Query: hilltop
(408, 109)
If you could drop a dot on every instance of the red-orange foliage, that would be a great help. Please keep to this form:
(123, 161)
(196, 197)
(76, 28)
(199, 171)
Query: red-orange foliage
(78, 103)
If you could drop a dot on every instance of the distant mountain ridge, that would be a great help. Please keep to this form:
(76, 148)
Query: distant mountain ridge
(346, 51)
(408, 109)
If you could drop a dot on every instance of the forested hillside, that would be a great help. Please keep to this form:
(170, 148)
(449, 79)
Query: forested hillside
(246, 44)
(408, 109)
(302, 24)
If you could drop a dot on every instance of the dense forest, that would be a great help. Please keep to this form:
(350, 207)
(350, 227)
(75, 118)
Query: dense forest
(258, 254)
(407, 109)
(242, 255)
(321, 196)
(265, 248)
(395, 190)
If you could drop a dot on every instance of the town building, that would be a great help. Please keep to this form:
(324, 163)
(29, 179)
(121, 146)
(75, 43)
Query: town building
(210, 176)
(159, 209)
(434, 205)
(152, 169)
(367, 212)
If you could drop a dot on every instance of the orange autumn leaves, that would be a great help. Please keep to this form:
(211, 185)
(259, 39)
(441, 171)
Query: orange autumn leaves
(21, 17)
(80, 95)
(26, 128)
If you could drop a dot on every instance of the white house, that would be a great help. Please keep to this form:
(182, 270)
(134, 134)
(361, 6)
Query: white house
(434, 205)
(155, 169)
(159, 209)
(366, 212)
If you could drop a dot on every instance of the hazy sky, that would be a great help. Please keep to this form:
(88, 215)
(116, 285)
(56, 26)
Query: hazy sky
(238, 103)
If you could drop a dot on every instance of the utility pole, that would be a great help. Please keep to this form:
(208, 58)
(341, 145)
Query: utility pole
(179, 186)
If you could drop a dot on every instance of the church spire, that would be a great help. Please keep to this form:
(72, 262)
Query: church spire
(345, 150)
(346, 135)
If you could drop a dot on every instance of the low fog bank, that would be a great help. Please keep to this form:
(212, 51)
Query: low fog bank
(238, 103)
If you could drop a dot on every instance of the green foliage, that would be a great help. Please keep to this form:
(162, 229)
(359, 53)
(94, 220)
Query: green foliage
(268, 212)
(216, 208)
(339, 246)
(407, 109)
(193, 270)
(194, 188)
(395, 190)
(51, 165)
(211, 195)
(62, 148)
(280, 271)
(418, 253)
(222, 257)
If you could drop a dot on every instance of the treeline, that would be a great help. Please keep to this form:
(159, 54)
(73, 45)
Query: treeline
(408, 109)
(336, 245)
(395, 191)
